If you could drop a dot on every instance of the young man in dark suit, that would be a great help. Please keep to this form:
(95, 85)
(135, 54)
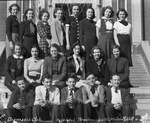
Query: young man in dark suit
(21, 102)
(71, 100)
(117, 100)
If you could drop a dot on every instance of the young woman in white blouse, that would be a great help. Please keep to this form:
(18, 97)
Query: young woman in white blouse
(33, 68)
(104, 31)
(122, 34)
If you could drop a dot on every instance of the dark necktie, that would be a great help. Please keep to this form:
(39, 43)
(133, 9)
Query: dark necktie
(116, 65)
(79, 70)
(71, 94)
(47, 94)
(19, 63)
(124, 22)
(116, 90)
(93, 89)
(78, 61)
(22, 100)
(32, 29)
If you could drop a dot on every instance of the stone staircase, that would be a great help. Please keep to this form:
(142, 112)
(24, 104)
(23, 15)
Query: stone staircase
(140, 78)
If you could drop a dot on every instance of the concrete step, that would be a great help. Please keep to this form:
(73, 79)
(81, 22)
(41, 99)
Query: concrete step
(140, 90)
(139, 69)
(143, 106)
(142, 112)
(140, 84)
(142, 96)
(143, 101)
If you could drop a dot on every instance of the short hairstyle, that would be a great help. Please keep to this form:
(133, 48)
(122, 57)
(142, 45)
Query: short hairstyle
(108, 7)
(122, 10)
(18, 44)
(116, 47)
(12, 5)
(92, 10)
(42, 12)
(72, 75)
(27, 12)
(46, 76)
(55, 46)
(73, 6)
(55, 11)
(19, 79)
(89, 73)
(97, 47)
(115, 75)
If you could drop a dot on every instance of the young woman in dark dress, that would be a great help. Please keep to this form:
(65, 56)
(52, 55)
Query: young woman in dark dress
(122, 34)
(14, 68)
(28, 32)
(97, 65)
(72, 27)
(87, 28)
(12, 28)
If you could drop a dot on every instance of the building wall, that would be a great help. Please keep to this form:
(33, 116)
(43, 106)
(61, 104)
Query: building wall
(3, 15)
(146, 20)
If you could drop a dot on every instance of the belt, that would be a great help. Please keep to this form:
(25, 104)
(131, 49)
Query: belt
(109, 32)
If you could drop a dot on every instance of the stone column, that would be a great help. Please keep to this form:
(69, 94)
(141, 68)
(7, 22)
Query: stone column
(136, 21)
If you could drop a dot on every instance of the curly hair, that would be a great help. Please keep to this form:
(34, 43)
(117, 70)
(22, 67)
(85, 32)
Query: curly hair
(116, 47)
(27, 12)
(97, 47)
(93, 12)
(46, 76)
(12, 5)
(42, 12)
(122, 10)
(17, 44)
(107, 7)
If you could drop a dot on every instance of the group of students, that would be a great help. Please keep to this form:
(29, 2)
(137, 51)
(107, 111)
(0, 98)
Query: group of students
(89, 102)
(70, 68)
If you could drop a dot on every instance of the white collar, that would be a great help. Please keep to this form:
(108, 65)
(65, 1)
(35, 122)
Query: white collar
(15, 56)
(75, 57)
(106, 18)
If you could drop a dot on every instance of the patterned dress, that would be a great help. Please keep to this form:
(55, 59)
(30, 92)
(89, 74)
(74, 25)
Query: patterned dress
(44, 33)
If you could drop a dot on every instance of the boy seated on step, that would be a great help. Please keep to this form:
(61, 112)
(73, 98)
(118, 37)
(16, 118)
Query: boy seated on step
(21, 102)
(117, 99)
(47, 99)
(93, 98)
(71, 100)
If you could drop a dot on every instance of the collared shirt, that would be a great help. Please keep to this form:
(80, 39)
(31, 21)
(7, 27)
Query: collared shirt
(18, 57)
(116, 96)
(99, 93)
(122, 29)
(109, 25)
(77, 64)
(40, 94)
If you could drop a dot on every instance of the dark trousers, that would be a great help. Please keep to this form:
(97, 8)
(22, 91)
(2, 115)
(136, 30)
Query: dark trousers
(71, 113)
(112, 113)
(46, 113)
(20, 114)
(94, 112)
